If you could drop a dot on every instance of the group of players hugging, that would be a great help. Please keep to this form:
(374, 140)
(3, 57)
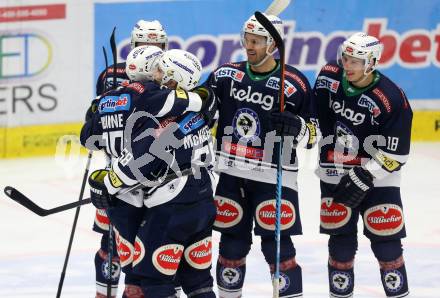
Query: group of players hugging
(185, 158)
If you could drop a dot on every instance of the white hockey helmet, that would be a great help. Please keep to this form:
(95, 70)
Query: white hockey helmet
(182, 67)
(254, 27)
(362, 46)
(150, 32)
(141, 62)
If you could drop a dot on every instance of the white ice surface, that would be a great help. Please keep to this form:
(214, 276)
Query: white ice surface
(32, 248)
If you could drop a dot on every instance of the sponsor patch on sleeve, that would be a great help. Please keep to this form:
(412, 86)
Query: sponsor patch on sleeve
(387, 163)
(115, 180)
(181, 94)
(191, 122)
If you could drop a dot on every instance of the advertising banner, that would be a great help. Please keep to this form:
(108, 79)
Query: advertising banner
(45, 72)
(313, 30)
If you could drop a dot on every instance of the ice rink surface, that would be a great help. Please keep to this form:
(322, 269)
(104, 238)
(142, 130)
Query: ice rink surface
(32, 248)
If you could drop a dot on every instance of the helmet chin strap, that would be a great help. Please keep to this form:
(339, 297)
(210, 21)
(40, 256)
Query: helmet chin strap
(262, 61)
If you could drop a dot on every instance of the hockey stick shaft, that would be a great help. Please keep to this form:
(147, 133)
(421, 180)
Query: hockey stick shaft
(265, 22)
(75, 221)
(110, 226)
(277, 7)
(106, 68)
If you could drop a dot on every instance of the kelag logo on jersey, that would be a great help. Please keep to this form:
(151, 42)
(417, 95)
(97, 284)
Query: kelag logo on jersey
(289, 89)
(191, 122)
(369, 103)
(323, 82)
(110, 104)
(229, 72)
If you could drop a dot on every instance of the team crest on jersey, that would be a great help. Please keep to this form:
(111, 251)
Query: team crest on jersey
(273, 83)
(384, 219)
(191, 122)
(229, 212)
(367, 102)
(235, 74)
(265, 214)
(199, 254)
(340, 281)
(344, 136)
(111, 104)
(166, 259)
(125, 249)
(246, 124)
(139, 251)
(323, 82)
(333, 215)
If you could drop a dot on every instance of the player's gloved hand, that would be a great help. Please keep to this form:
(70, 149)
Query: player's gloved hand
(209, 102)
(353, 187)
(288, 124)
(92, 109)
(99, 195)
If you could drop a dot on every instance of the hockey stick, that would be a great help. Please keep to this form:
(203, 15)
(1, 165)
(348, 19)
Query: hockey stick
(110, 225)
(280, 45)
(75, 221)
(25, 201)
(277, 7)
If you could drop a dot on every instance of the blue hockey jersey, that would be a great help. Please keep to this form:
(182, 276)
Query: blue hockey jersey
(369, 126)
(246, 142)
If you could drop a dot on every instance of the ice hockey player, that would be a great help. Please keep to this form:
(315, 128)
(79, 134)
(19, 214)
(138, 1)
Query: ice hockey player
(143, 33)
(173, 234)
(365, 121)
(108, 122)
(246, 144)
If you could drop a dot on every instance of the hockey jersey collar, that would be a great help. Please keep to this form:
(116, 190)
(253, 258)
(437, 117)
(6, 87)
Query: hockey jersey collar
(350, 90)
(256, 77)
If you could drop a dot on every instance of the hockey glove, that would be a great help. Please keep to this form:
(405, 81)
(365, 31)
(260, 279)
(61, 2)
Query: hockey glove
(288, 124)
(92, 109)
(353, 187)
(209, 103)
(99, 195)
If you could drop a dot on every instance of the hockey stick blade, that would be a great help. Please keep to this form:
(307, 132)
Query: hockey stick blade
(277, 7)
(23, 200)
